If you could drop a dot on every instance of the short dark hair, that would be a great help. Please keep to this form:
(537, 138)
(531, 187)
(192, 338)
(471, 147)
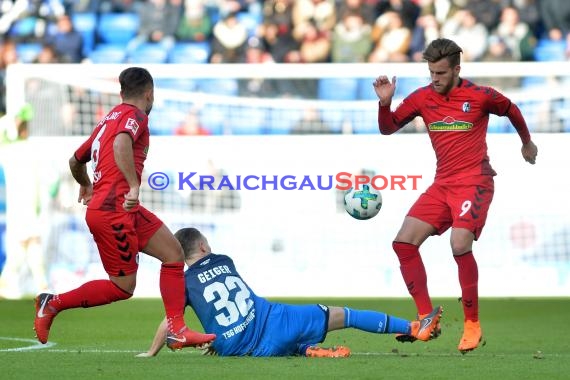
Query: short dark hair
(189, 239)
(134, 81)
(443, 48)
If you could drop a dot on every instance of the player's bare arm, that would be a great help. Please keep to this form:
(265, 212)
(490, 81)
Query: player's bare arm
(123, 152)
(157, 342)
(529, 152)
(79, 173)
(384, 89)
(160, 339)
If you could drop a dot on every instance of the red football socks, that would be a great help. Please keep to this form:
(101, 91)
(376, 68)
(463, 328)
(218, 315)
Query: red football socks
(90, 294)
(468, 280)
(173, 293)
(414, 274)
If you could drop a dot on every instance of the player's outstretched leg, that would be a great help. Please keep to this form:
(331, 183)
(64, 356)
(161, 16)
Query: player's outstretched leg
(45, 313)
(323, 352)
(187, 338)
(425, 329)
(472, 336)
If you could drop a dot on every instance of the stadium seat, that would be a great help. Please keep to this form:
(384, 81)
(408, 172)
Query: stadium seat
(108, 53)
(164, 119)
(148, 53)
(248, 120)
(337, 89)
(27, 52)
(180, 84)
(224, 86)
(548, 50)
(534, 81)
(214, 118)
(406, 85)
(86, 24)
(334, 119)
(117, 28)
(190, 52)
(365, 90)
(365, 122)
(282, 120)
(22, 28)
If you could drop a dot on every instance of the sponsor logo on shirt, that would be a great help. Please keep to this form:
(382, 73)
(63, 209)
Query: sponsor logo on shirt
(132, 125)
(450, 124)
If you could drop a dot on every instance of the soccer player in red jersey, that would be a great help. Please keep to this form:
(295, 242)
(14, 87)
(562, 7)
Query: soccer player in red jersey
(122, 227)
(456, 114)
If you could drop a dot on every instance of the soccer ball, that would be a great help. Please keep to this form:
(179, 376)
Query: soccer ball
(364, 203)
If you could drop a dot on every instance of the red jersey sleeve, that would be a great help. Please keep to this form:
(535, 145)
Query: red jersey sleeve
(500, 105)
(391, 121)
(83, 153)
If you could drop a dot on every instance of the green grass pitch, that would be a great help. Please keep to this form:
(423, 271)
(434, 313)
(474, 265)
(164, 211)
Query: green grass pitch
(526, 338)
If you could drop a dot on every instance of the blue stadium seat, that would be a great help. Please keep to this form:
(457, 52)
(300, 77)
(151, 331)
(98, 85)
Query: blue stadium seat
(180, 84)
(86, 24)
(334, 119)
(281, 121)
(27, 52)
(108, 53)
(534, 81)
(24, 27)
(405, 86)
(148, 53)
(222, 86)
(337, 89)
(365, 90)
(164, 119)
(190, 52)
(118, 28)
(214, 118)
(365, 122)
(248, 120)
(548, 50)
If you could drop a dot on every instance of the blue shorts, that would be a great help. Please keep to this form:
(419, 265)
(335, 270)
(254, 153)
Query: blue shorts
(290, 326)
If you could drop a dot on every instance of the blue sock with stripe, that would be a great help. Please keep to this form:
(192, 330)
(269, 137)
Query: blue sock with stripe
(375, 322)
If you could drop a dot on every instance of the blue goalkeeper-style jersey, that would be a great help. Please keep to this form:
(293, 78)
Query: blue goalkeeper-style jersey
(244, 323)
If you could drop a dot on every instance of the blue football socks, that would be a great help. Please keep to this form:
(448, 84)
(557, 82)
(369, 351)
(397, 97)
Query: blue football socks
(375, 322)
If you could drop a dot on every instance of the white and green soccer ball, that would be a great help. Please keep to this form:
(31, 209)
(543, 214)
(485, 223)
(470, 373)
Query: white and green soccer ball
(364, 203)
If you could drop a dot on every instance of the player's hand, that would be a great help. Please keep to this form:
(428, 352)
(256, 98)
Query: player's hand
(144, 355)
(131, 198)
(529, 152)
(85, 194)
(207, 349)
(384, 89)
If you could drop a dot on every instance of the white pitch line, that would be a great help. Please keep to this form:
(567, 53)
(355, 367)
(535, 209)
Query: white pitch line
(35, 345)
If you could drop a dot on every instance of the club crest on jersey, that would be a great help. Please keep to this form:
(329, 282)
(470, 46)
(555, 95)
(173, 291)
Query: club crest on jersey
(466, 107)
(450, 124)
(132, 125)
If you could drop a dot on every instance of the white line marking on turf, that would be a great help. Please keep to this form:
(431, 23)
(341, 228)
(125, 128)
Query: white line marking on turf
(35, 345)
(47, 347)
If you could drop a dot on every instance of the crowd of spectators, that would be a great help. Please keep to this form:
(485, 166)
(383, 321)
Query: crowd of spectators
(300, 31)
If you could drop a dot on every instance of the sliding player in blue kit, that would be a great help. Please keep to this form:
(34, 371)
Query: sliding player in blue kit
(246, 324)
